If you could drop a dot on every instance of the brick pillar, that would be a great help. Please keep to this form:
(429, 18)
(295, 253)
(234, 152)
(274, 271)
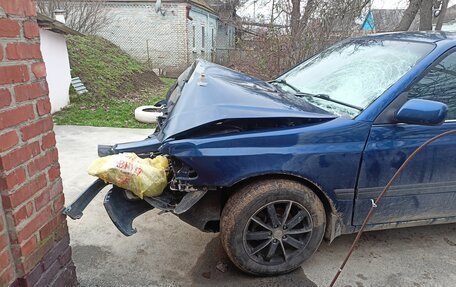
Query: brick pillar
(34, 240)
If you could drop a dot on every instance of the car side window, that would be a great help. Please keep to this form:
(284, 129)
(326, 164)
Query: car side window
(439, 84)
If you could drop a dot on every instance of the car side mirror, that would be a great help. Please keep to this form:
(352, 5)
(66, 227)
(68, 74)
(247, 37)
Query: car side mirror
(422, 112)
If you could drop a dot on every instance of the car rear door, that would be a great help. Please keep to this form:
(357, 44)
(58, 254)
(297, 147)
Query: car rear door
(426, 190)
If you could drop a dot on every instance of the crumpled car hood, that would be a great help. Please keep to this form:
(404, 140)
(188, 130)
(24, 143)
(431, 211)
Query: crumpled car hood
(211, 93)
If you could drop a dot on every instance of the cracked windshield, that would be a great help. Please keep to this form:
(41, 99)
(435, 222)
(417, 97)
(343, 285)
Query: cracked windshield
(354, 73)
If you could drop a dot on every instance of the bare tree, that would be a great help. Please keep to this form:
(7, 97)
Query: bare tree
(316, 24)
(441, 15)
(409, 15)
(426, 15)
(298, 24)
(428, 9)
(85, 16)
(297, 30)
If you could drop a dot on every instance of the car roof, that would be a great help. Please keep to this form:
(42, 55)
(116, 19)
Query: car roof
(418, 36)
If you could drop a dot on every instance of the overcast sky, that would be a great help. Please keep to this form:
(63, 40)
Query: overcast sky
(248, 10)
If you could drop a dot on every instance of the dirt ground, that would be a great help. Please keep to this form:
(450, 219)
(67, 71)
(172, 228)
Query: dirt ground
(168, 252)
(138, 87)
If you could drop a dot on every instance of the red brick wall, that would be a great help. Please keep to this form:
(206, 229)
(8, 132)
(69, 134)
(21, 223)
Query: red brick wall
(34, 241)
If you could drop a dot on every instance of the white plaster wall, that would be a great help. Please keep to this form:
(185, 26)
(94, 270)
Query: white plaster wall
(55, 56)
(201, 18)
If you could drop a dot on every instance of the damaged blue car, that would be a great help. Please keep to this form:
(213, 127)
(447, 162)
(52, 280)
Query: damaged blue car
(277, 166)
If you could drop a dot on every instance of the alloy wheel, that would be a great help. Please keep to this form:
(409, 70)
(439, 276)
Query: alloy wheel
(277, 232)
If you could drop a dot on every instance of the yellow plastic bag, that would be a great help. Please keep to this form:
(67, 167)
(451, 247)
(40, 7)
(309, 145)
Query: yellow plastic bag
(143, 177)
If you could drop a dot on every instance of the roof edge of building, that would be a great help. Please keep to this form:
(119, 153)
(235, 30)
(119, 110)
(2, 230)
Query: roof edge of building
(48, 23)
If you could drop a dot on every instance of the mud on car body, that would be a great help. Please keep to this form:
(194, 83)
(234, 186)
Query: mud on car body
(277, 166)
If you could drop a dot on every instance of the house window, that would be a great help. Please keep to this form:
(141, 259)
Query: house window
(202, 37)
(213, 39)
(194, 32)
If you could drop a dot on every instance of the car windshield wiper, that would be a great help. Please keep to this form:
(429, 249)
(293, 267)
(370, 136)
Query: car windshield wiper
(320, 96)
(282, 81)
(328, 98)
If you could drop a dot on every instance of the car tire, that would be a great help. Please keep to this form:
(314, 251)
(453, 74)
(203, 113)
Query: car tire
(250, 238)
(147, 114)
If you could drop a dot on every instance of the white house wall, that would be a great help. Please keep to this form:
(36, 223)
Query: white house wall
(198, 50)
(157, 38)
(55, 56)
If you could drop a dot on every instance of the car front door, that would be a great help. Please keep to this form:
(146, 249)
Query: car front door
(427, 187)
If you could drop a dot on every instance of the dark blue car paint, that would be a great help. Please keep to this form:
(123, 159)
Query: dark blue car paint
(237, 96)
(315, 153)
(422, 112)
(426, 189)
(349, 160)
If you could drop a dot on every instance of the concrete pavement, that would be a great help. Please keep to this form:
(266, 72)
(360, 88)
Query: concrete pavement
(168, 252)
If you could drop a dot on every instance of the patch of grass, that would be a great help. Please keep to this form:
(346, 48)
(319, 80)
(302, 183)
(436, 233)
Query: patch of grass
(117, 85)
(101, 65)
(168, 83)
(109, 111)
